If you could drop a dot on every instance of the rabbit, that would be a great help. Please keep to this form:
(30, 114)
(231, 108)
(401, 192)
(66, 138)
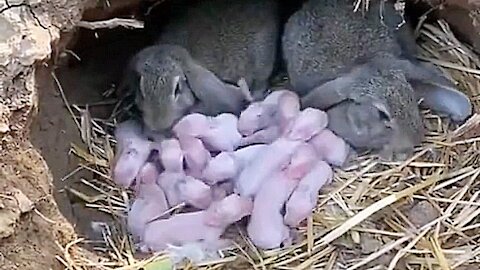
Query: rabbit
(168, 83)
(381, 114)
(206, 59)
(233, 39)
(344, 63)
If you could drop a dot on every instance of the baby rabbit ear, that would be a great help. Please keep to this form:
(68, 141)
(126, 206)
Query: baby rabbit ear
(438, 93)
(212, 91)
(328, 94)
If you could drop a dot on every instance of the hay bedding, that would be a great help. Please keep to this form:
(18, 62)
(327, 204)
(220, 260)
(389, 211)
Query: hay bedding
(419, 214)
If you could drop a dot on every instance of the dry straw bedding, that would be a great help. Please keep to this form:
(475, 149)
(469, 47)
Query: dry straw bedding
(419, 214)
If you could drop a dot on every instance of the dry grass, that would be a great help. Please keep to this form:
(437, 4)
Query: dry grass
(419, 214)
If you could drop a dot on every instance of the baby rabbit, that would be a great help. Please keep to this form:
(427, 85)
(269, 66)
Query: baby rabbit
(207, 48)
(362, 71)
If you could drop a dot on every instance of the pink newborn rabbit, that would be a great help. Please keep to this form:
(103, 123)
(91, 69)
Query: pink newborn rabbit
(171, 155)
(180, 188)
(303, 160)
(222, 167)
(150, 202)
(204, 226)
(254, 118)
(304, 198)
(132, 152)
(266, 228)
(195, 192)
(227, 165)
(288, 108)
(218, 133)
(195, 154)
(330, 147)
(223, 134)
(191, 125)
(275, 157)
(148, 174)
(264, 122)
(263, 136)
(168, 181)
(307, 124)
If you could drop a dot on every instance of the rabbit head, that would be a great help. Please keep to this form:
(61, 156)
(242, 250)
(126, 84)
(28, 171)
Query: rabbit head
(233, 39)
(326, 38)
(168, 84)
(434, 90)
(371, 107)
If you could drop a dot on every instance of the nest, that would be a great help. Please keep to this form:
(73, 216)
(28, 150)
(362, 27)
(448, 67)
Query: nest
(418, 214)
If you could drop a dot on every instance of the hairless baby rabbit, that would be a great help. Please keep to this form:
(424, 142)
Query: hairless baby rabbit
(207, 48)
(304, 198)
(266, 228)
(361, 69)
(150, 202)
(132, 149)
(202, 226)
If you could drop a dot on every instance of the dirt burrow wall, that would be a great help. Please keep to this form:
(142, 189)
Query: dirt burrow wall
(31, 227)
(463, 16)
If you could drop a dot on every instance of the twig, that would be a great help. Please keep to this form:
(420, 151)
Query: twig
(112, 23)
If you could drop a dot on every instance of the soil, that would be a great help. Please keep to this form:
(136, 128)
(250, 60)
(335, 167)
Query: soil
(35, 136)
(33, 244)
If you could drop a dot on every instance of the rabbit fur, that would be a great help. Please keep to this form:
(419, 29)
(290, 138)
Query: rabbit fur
(362, 70)
(201, 53)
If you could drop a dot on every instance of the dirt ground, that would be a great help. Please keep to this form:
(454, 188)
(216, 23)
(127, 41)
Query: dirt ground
(24, 169)
(34, 237)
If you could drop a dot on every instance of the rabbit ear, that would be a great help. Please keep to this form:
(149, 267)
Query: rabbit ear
(210, 90)
(328, 94)
(438, 93)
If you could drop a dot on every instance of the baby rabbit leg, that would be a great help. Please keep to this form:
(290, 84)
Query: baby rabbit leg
(438, 93)
(287, 237)
(217, 244)
(264, 136)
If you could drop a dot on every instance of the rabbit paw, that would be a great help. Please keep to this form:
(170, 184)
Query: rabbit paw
(389, 154)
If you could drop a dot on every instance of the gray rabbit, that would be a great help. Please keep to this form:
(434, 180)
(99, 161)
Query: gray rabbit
(200, 56)
(362, 70)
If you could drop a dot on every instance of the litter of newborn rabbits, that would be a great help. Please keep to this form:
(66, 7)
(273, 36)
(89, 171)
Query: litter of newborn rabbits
(268, 164)
(383, 235)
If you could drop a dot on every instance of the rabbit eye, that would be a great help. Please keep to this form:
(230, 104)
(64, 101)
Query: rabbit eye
(176, 91)
(383, 115)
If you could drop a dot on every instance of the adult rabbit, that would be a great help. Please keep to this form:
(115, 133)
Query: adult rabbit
(362, 70)
(202, 52)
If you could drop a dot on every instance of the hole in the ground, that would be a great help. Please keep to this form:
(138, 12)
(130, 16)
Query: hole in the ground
(103, 57)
